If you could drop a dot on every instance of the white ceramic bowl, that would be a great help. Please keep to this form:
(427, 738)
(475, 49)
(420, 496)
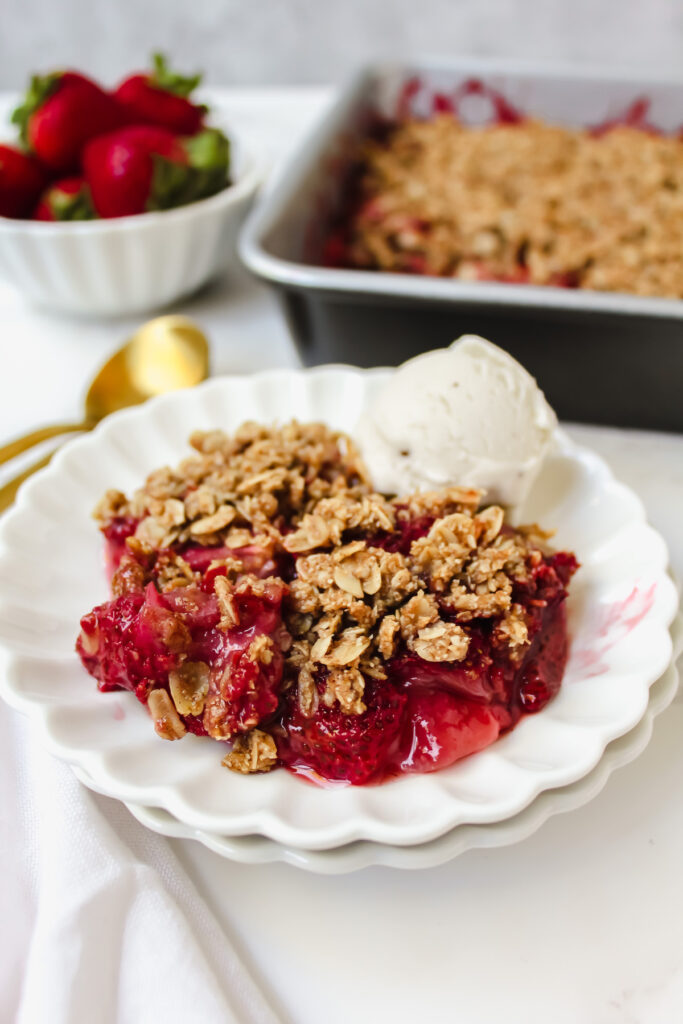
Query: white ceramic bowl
(129, 264)
(51, 572)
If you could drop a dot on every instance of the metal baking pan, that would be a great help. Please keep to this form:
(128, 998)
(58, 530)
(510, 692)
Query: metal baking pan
(601, 357)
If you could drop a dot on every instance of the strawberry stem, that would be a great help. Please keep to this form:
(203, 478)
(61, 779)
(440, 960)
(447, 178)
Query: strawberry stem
(175, 184)
(170, 81)
(171, 184)
(208, 150)
(74, 206)
(209, 155)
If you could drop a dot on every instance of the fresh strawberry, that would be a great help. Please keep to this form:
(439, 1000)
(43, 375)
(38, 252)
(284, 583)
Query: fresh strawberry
(121, 168)
(68, 199)
(22, 179)
(60, 113)
(143, 168)
(161, 98)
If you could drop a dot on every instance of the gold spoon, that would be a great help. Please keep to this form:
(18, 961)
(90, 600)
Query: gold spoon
(165, 354)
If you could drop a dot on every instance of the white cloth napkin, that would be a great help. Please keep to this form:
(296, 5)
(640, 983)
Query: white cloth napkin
(99, 923)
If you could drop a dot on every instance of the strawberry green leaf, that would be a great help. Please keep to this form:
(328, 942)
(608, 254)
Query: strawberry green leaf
(172, 184)
(208, 150)
(163, 78)
(72, 206)
(205, 173)
(40, 89)
(209, 156)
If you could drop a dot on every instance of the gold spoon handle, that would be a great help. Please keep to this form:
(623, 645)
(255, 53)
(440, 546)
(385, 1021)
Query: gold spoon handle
(8, 492)
(22, 444)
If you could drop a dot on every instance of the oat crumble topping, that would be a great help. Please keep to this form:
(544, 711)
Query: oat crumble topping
(189, 686)
(522, 202)
(255, 751)
(164, 714)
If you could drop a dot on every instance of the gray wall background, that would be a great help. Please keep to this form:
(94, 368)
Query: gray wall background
(299, 41)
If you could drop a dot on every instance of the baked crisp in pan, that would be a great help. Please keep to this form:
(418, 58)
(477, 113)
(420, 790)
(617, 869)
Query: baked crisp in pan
(526, 202)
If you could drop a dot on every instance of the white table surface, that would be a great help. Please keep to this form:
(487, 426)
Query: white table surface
(580, 924)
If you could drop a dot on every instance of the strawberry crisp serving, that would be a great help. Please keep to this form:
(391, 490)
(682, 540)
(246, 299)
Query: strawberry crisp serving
(265, 596)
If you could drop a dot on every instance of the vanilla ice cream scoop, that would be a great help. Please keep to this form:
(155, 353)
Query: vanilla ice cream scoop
(467, 415)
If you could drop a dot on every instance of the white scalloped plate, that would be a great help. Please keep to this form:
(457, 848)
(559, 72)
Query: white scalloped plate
(51, 572)
(363, 854)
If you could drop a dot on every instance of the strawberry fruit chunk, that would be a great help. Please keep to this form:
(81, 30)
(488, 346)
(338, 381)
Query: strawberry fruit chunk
(339, 747)
(142, 168)
(244, 691)
(120, 646)
(441, 728)
(22, 179)
(161, 98)
(135, 640)
(60, 113)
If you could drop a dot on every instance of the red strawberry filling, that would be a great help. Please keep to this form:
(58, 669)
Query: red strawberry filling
(338, 747)
(116, 533)
(428, 715)
(441, 728)
(424, 716)
(136, 640)
(263, 595)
